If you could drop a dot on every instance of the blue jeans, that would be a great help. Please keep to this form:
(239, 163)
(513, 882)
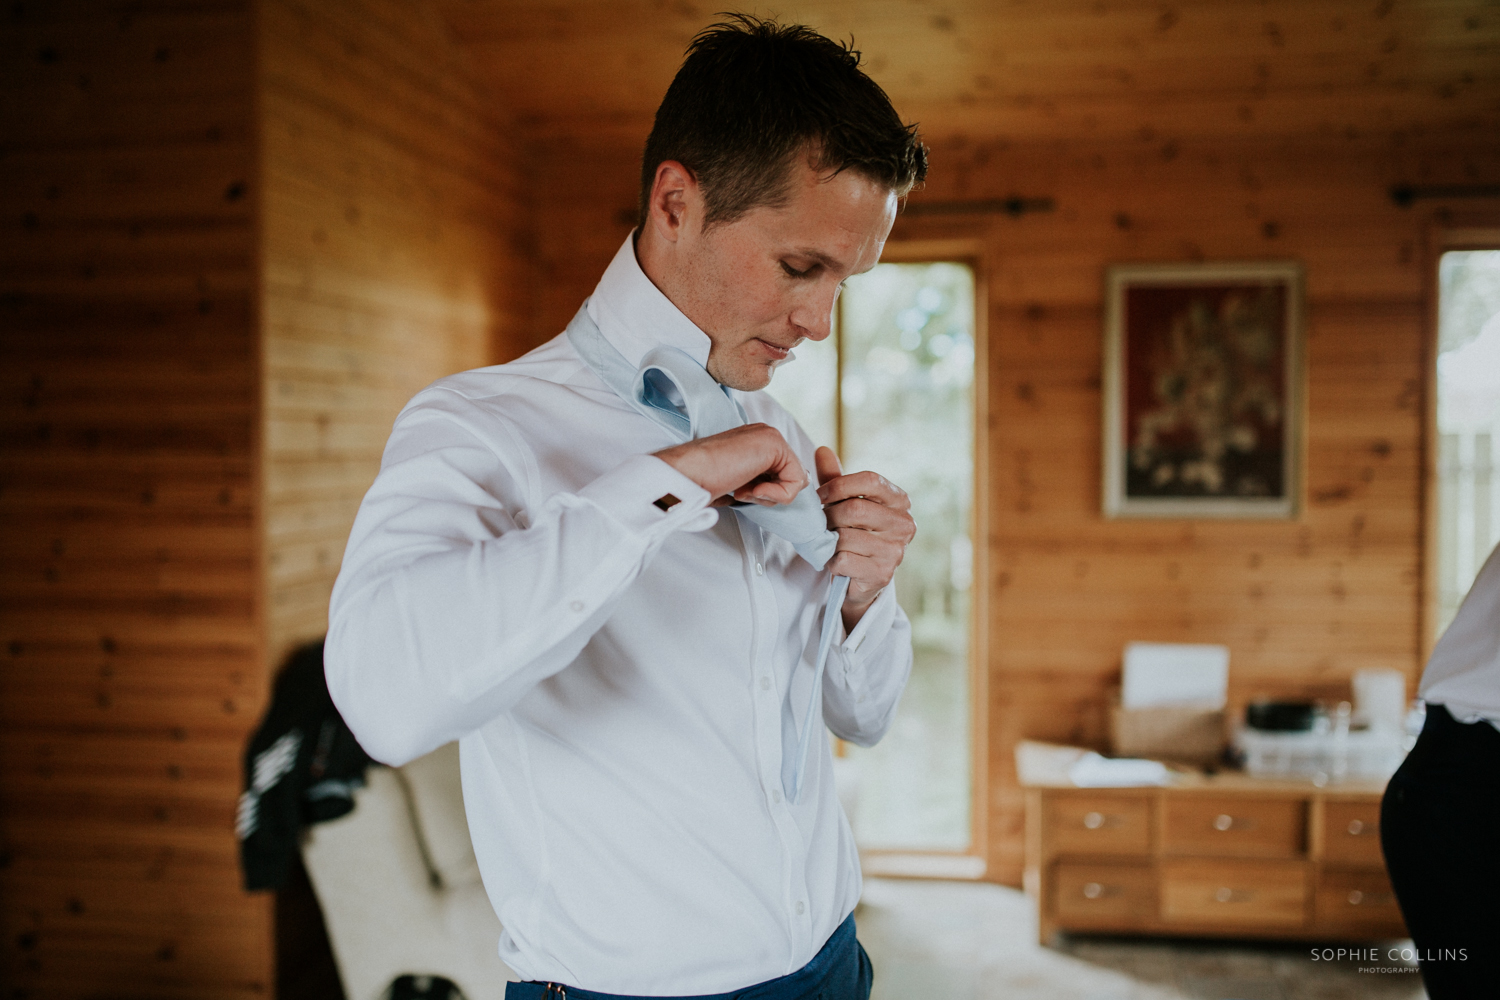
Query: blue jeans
(840, 971)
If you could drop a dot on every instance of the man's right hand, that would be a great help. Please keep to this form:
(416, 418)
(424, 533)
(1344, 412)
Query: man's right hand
(751, 464)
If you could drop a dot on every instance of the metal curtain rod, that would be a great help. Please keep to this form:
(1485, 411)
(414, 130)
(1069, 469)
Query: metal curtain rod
(1405, 194)
(1015, 206)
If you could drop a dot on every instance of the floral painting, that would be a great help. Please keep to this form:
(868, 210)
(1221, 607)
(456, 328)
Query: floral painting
(1201, 395)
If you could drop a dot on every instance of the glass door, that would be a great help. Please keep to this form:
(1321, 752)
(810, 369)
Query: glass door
(1468, 423)
(893, 391)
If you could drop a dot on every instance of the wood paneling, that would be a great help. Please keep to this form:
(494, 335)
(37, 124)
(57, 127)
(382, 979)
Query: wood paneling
(131, 666)
(220, 279)
(1024, 73)
(394, 250)
(587, 194)
(1302, 603)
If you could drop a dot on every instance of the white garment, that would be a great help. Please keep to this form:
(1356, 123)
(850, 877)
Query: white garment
(616, 674)
(1463, 673)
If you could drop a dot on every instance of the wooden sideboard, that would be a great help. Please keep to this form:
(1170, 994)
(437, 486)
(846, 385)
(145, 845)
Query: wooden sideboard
(1222, 855)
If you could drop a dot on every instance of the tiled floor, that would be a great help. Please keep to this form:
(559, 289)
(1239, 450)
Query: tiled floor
(975, 941)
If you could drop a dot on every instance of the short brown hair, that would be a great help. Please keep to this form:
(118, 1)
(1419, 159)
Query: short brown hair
(751, 95)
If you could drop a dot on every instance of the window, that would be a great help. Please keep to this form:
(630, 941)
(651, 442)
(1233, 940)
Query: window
(1468, 422)
(893, 391)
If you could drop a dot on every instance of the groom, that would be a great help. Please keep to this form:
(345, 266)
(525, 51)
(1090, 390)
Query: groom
(548, 575)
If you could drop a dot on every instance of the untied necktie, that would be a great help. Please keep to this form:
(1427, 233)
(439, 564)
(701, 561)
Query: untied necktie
(706, 409)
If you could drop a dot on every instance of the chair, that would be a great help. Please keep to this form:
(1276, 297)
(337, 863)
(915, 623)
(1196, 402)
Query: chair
(400, 888)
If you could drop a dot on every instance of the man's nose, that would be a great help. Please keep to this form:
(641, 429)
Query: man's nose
(814, 318)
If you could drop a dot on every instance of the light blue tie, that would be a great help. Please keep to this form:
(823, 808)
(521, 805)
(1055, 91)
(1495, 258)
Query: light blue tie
(705, 409)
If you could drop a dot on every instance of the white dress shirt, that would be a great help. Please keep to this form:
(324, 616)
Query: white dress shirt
(615, 674)
(1463, 673)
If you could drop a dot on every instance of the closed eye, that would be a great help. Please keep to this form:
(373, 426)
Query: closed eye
(792, 272)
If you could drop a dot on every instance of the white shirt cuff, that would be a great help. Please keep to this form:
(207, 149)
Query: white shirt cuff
(629, 493)
(876, 620)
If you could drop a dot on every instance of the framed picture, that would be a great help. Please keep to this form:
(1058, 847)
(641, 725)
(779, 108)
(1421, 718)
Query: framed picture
(1202, 390)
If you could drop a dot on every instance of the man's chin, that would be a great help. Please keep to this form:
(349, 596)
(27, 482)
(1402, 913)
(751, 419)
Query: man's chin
(745, 378)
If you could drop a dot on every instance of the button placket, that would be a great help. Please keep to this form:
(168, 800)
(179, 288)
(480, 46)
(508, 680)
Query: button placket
(767, 714)
(765, 711)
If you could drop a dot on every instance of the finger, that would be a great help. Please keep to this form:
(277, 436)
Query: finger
(778, 484)
(865, 544)
(859, 512)
(864, 484)
(827, 463)
(893, 529)
(767, 494)
(871, 546)
(866, 575)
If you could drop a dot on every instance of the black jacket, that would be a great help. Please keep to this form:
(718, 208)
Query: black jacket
(301, 767)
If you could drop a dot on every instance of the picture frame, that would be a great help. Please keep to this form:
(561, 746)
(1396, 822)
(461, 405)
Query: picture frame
(1203, 392)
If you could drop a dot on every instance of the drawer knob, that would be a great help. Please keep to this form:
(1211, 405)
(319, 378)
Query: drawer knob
(1223, 821)
(1093, 890)
(1356, 827)
(1093, 821)
(1356, 897)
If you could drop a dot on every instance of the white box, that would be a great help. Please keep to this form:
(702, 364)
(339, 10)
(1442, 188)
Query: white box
(1323, 756)
(1175, 675)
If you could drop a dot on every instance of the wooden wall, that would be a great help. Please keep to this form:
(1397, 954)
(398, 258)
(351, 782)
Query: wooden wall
(130, 670)
(587, 193)
(1302, 604)
(394, 252)
(221, 277)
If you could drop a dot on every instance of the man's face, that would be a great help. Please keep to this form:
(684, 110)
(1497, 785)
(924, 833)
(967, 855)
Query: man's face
(762, 284)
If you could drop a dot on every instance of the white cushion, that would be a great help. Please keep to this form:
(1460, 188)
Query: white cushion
(437, 802)
(386, 915)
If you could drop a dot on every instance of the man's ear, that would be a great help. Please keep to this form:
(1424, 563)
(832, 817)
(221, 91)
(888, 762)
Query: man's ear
(674, 199)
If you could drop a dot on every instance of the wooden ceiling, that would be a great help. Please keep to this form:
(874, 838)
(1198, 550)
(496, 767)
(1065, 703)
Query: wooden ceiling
(1027, 71)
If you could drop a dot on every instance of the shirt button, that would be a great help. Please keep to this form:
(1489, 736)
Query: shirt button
(576, 605)
(765, 683)
(800, 909)
(760, 569)
(775, 795)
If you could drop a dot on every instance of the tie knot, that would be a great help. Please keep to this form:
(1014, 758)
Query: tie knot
(672, 381)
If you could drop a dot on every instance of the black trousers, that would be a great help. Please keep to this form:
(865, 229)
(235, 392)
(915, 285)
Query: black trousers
(1440, 829)
(839, 971)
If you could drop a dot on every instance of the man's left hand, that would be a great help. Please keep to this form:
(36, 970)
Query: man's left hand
(873, 519)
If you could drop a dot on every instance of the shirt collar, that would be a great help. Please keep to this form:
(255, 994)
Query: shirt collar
(635, 316)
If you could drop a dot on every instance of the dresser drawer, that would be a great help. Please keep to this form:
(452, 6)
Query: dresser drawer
(1358, 900)
(1235, 893)
(1092, 823)
(1100, 894)
(1351, 833)
(1234, 826)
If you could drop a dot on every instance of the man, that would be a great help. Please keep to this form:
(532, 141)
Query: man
(1441, 812)
(539, 571)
